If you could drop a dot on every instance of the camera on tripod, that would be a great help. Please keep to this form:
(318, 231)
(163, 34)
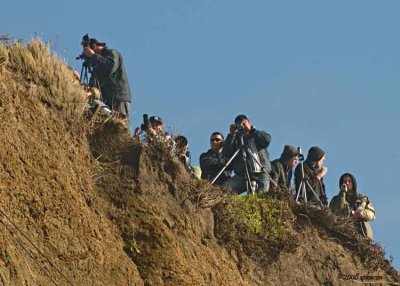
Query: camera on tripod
(239, 130)
(300, 155)
(85, 44)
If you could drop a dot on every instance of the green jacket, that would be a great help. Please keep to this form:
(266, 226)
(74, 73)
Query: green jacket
(109, 71)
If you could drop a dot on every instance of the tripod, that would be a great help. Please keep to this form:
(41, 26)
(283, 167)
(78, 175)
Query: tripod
(302, 187)
(251, 185)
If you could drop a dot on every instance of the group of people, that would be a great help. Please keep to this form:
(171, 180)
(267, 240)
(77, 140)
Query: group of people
(240, 162)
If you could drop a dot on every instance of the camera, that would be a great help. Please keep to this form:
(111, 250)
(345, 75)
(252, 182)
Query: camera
(300, 154)
(85, 44)
(146, 123)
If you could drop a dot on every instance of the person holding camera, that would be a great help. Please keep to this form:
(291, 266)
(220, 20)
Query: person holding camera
(251, 165)
(350, 203)
(152, 130)
(212, 162)
(282, 168)
(314, 172)
(108, 71)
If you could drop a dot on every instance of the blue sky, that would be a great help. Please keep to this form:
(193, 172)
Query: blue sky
(308, 72)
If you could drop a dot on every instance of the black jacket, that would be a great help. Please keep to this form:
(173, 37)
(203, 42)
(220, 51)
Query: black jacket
(257, 141)
(211, 164)
(281, 174)
(109, 71)
(310, 177)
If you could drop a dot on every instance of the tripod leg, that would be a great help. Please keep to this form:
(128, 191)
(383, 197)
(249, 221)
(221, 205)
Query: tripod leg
(315, 194)
(226, 166)
(299, 191)
(262, 167)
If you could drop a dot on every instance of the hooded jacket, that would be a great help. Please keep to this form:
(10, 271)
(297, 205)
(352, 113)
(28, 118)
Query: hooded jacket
(345, 202)
(109, 71)
(281, 172)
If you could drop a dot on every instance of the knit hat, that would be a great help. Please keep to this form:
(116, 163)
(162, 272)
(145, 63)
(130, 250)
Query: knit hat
(315, 154)
(289, 152)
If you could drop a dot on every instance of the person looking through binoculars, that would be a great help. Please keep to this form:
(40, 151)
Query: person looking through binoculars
(309, 175)
(350, 203)
(108, 71)
(252, 166)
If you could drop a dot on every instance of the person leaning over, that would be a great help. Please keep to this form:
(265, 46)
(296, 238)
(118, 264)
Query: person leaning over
(314, 171)
(350, 203)
(282, 168)
(108, 70)
(212, 162)
(256, 143)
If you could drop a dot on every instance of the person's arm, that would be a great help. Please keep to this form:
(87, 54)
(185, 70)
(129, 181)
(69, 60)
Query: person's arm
(261, 138)
(366, 211)
(207, 162)
(229, 146)
(275, 173)
(339, 204)
(108, 62)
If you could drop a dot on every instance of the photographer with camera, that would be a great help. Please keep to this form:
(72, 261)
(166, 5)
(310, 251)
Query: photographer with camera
(311, 177)
(152, 130)
(212, 161)
(109, 74)
(350, 203)
(282, 168)
(252, 168)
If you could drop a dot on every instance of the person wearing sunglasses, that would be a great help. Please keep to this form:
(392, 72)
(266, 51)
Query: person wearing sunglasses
(212, 162)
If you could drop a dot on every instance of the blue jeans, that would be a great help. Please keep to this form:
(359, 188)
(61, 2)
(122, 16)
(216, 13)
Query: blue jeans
(237, 183)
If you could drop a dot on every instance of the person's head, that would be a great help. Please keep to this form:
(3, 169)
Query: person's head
(348, 180)
(315, 157)
(216, 141)
(244, 121)
(290, 155)
(182, 144)
(156, 124)
(97, 46)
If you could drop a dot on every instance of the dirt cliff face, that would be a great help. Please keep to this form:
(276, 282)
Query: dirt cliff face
(105, 210)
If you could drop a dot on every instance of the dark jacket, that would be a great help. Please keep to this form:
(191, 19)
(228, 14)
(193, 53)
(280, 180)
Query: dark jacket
(109, 71)
(310, 178)
(211, 164)
(281, 174)
(257, 141)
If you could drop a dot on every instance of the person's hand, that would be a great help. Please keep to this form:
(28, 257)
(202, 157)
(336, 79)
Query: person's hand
(88, 52)
(232, 129)
(136, 133)
(359, 213)
(322, 173)
(150, 131)
(247, 125)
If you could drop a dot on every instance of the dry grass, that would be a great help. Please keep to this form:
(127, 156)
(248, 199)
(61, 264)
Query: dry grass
(343, 230)
(44, 75)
